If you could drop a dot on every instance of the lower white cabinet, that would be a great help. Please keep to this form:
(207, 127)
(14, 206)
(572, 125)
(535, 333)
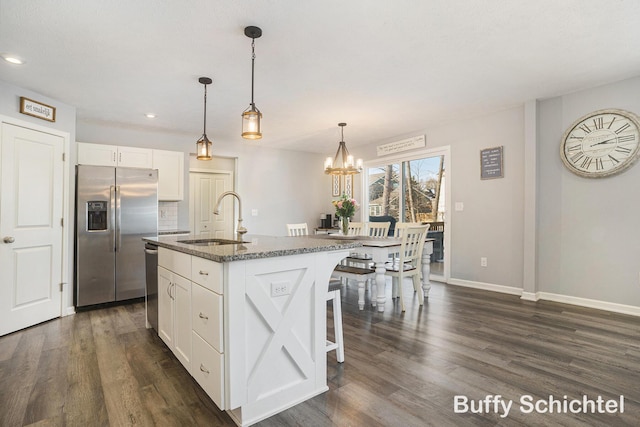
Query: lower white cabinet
(190, 317)
(174, 314)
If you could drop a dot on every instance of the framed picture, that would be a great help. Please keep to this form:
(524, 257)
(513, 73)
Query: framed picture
(348, 185)
(335, 185)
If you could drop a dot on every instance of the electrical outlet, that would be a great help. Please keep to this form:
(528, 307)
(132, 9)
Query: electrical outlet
(483, 261)
(280, 288)
(254, 212)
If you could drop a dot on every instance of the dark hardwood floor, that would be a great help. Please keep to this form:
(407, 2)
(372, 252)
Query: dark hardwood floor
(103, 368)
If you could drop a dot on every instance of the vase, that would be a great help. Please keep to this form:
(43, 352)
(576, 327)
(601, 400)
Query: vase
(345, 225)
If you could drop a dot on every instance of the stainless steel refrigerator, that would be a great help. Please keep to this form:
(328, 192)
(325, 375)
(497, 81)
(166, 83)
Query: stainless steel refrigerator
(115, 209)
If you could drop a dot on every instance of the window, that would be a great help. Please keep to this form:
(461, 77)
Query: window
(409, 191)
(413, 190)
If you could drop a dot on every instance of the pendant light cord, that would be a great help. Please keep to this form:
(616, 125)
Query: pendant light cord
(253, 62)
(205, 110)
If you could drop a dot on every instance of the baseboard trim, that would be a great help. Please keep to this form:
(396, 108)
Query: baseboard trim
(590, 303)
(486, 286)
(548, 296)
(69, 311)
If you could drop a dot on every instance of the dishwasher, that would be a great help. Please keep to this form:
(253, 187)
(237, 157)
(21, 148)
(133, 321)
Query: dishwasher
(151, 263)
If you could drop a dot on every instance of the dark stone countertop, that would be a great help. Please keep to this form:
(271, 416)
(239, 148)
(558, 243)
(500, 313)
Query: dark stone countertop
(253, 246)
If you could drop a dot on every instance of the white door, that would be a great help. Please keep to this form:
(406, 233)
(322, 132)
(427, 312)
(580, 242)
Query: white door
(206, 188)
(31, 211)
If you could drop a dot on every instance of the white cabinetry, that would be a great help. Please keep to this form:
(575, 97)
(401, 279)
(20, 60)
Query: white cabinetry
(170, 165)
(112, 155)
(190, 317)
(174, 303)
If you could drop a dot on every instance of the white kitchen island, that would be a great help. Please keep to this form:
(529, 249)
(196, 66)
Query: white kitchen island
(248, 321)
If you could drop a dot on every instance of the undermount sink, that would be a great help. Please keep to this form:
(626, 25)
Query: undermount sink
(211, 242)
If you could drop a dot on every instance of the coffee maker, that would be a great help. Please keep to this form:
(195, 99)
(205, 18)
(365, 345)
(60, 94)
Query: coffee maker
(325, 221)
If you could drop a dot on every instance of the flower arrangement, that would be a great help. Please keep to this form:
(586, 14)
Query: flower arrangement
(345, 208)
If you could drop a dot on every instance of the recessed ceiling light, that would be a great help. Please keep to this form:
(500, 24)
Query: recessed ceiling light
(13, 59)
(150, 116)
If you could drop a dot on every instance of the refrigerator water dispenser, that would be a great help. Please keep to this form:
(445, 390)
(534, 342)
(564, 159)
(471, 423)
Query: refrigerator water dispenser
(96, 216)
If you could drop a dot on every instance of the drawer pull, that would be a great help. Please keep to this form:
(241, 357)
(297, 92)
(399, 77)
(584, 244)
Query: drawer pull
(204, 273)
(202, 316)
(203, 369)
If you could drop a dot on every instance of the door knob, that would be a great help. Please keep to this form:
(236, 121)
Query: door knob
(8, 239)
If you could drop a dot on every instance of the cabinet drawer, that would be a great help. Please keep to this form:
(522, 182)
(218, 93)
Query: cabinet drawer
(177, 262)
(206, 315)
(208, 369)
(207, 273)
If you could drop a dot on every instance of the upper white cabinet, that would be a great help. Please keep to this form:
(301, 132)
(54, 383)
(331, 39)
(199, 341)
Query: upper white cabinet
(113, 155)
(133, 157)
(170, 165)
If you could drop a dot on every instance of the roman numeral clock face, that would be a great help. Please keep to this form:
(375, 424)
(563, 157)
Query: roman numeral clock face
(601, 143)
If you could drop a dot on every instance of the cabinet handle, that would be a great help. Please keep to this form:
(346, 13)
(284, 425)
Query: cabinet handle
(203, 369)
(204, 273)
(169, 290)
(202, 316)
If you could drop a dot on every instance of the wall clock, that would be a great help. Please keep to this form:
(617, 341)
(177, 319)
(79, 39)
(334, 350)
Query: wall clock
(602, 143)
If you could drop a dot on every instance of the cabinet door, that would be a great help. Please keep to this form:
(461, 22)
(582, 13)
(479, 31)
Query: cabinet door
(133, 157)
(165, 306)
(97, 154)
(170, 165)
(182, 320)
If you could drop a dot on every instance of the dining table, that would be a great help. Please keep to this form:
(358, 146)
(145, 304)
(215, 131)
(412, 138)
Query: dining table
(379, 248)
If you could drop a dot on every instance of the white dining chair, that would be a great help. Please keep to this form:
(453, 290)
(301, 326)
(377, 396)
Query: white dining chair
(355, 228)
(333, 294)
(398, 232)
(401, 226)
(299, 229)
(377, 229)
(409, 264)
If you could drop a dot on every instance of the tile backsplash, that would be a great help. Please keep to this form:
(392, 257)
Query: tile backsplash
(167, 216)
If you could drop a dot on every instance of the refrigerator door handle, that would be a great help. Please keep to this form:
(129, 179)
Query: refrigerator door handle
(118, 218)
(112, 215)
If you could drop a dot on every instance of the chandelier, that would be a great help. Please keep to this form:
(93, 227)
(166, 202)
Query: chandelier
(348, 166)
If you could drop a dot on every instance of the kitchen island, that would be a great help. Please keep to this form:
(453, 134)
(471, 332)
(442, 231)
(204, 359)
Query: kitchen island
(248, 320)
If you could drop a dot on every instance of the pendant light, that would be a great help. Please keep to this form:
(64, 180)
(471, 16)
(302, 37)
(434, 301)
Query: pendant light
(348, 167)
(251, 116)
(203, 146)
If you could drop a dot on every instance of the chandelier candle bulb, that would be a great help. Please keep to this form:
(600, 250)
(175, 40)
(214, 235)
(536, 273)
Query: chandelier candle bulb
(328, 163)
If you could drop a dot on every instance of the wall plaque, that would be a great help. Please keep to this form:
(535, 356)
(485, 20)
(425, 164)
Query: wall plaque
(37, 109)
(403, 145)
(491, 163)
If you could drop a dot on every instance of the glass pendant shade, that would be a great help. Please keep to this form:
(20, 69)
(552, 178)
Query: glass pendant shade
(251, 123)
(203, 148)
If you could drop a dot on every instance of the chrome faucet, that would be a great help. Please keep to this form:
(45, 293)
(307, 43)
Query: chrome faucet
(216, 211)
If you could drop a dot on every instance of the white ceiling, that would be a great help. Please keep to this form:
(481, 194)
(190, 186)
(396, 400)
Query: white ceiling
(388, 68)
